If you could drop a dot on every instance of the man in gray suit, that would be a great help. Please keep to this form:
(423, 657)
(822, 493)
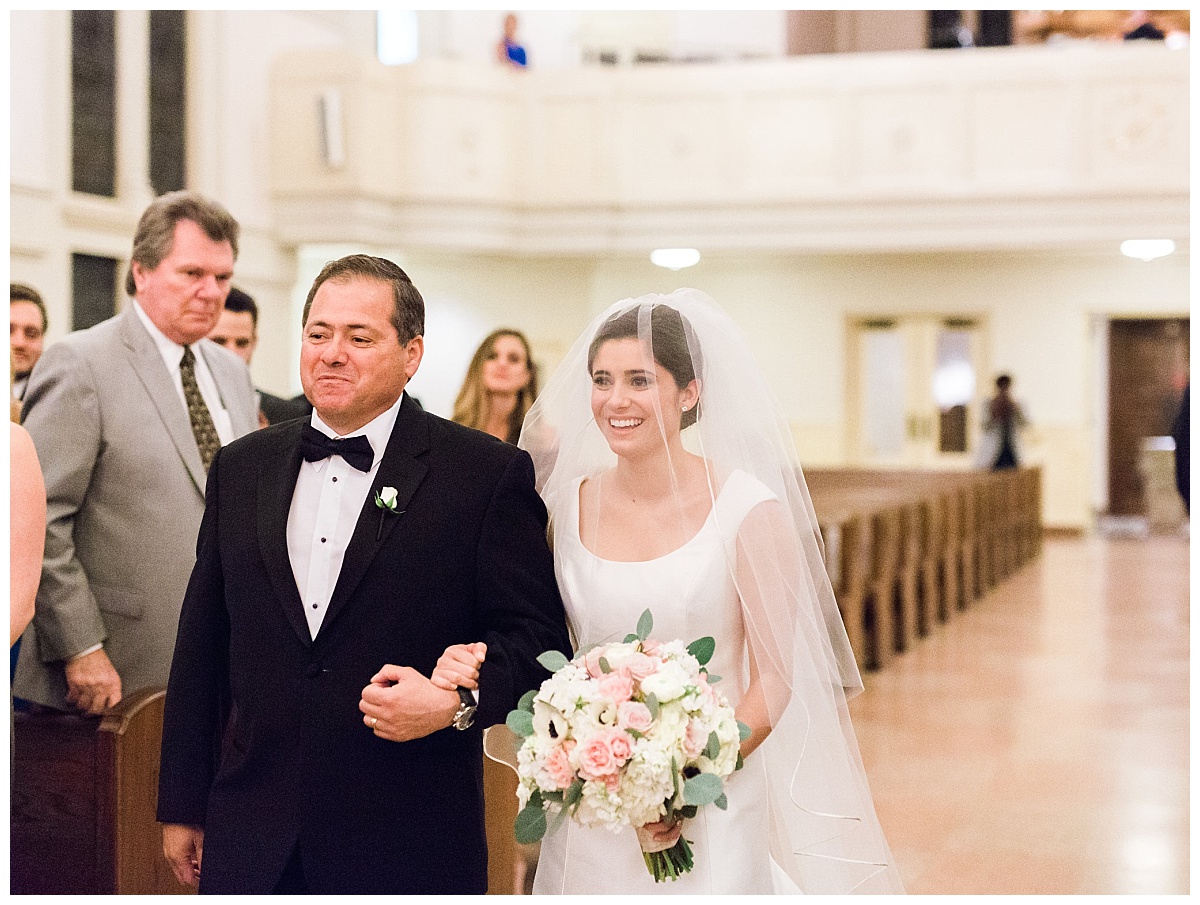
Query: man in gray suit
(126, 417)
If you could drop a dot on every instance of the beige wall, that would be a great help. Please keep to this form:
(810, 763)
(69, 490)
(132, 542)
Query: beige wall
(555, 269)
(1038, 308)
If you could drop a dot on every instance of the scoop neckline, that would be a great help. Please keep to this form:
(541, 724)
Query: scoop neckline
(638, 562)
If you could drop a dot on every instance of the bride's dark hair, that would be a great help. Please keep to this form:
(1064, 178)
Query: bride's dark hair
(672, 341)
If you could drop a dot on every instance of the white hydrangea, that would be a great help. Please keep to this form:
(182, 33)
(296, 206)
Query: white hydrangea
(570, 714)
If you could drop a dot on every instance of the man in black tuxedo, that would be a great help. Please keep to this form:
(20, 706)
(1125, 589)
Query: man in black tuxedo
(304, 748)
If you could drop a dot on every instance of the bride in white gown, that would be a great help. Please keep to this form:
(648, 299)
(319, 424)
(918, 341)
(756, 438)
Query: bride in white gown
(672, 486)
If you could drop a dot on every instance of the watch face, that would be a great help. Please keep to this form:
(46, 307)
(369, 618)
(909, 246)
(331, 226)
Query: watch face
(464, 718)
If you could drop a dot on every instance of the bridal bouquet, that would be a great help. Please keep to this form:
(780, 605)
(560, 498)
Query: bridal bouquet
(626, 734)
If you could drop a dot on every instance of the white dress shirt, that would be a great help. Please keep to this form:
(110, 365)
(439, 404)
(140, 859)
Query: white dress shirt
(172, 355)
(326, 504)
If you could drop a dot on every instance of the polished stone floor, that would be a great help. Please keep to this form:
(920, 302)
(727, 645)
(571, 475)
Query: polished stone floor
(1039, 742)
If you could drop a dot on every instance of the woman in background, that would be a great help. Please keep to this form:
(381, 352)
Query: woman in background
(500, 386)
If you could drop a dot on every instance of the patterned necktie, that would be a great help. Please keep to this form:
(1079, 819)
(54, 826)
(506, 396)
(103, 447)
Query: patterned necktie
(202, 424)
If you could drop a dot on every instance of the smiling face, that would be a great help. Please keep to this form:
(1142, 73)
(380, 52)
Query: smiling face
(630, 393)
(185, 294)
(352, 364)
(506, 369)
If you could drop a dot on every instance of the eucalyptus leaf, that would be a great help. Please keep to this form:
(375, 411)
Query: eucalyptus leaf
(688, 812)
(559, 819)
(713, 748)
(740, 762)
(520, 722)
(743, 731)
(712, 680)
(526, 702)
(530, 825)
(702, 649)
(574, 794)
(645, 626)
(629, 639)
(702, 789)
(721, 801)
(652, 704)
(604, 667)
(553, 660)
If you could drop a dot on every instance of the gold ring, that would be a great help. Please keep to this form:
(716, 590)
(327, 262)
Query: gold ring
(374, 722)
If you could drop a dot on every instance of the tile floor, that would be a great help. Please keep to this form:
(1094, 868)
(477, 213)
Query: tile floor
(1039, 742)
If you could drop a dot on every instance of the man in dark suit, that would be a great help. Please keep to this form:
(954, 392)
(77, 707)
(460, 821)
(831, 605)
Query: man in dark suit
(304, 748)
(237, 331)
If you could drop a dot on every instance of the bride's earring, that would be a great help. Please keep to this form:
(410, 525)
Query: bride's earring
(684, 408)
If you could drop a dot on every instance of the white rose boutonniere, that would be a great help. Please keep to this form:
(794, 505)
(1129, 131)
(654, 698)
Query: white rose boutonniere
(385, 499)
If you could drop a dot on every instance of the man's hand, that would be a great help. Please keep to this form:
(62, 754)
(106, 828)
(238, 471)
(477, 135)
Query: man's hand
(184, 847)
(400, 704)
(92, 683)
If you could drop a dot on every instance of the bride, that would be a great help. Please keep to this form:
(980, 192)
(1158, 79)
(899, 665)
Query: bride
(671, 484)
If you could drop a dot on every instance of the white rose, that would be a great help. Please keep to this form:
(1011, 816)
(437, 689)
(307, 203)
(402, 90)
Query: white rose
(667, 684)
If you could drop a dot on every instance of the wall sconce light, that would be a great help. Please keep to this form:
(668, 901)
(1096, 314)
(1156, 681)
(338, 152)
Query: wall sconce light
(674, 258)
(1147, 249)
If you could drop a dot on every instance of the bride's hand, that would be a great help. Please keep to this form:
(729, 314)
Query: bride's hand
(459, 666)
(660, 836)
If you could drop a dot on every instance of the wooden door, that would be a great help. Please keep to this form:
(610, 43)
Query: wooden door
(1148, 369)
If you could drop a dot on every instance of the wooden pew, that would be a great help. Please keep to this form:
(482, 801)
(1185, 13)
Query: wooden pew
(84, 793)
(932, 541)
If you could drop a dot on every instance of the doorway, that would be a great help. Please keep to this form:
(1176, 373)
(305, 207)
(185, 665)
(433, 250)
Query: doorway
(915, 390)
(1148, 370)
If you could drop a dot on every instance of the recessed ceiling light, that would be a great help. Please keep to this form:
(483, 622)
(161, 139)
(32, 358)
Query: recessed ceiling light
(1147, 249)
(674, 258)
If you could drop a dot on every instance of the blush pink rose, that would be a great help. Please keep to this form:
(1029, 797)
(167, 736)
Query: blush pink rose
(635, 716)
(591, 662)
(639, 666)
(696, 739)
(621, 745)
(558, 768)
(604, 753)
(616, 686)
(650, 646)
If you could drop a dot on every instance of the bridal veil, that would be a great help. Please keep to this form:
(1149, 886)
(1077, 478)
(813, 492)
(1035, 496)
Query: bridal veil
(824, 832)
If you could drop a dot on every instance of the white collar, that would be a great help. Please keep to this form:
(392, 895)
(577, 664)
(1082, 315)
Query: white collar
(167, 348)
(378, 430)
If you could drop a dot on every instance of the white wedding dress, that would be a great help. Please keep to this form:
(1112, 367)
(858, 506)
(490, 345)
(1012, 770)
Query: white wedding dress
(690, 594)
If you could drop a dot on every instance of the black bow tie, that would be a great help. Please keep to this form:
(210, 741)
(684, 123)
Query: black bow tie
(315, 446)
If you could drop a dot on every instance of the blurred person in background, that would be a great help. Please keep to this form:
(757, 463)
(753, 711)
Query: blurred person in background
(27, 324)
(237, 331)
(1003, 420)
(500, 386)
(508, 51)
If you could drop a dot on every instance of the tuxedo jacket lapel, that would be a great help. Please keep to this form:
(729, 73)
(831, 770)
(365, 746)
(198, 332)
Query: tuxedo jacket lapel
(276, 487)
(401, 469)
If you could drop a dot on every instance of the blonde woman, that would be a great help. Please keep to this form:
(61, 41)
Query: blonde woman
(500, 386)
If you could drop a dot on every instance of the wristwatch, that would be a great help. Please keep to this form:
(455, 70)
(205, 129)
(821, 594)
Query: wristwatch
(465, 715)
